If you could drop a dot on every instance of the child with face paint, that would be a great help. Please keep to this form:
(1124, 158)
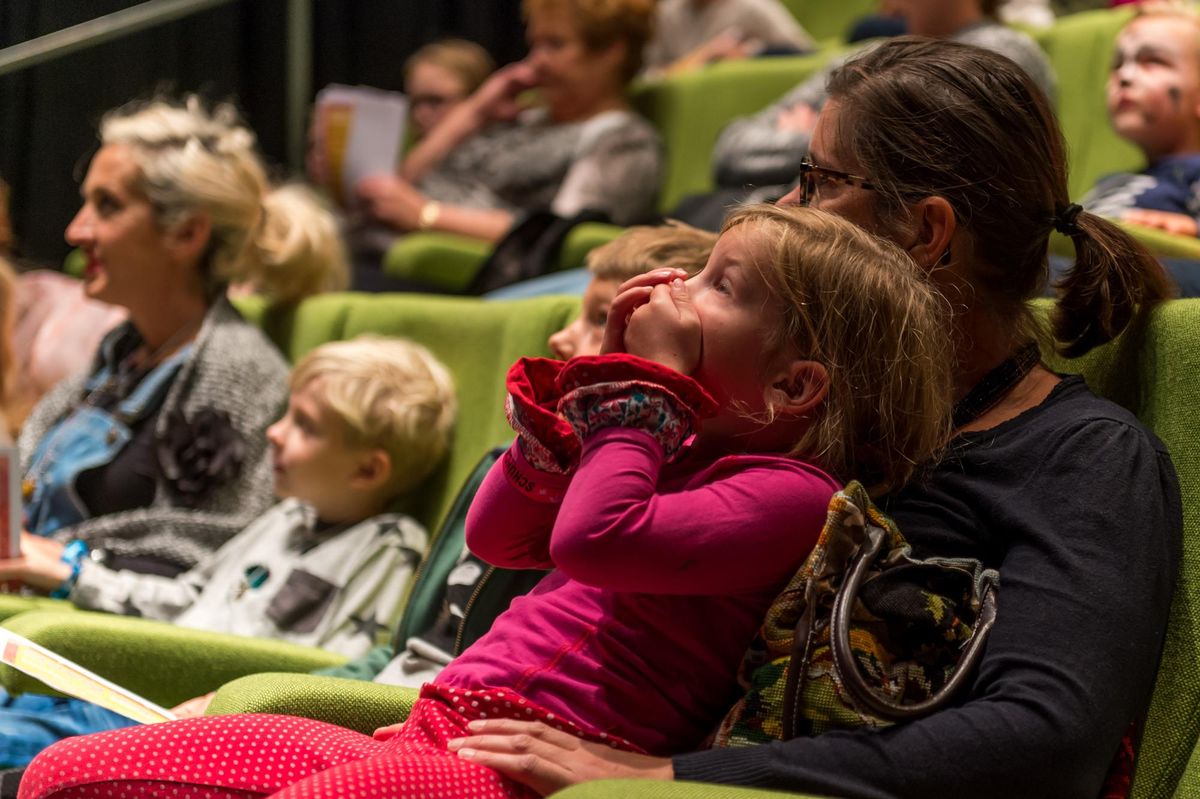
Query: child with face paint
(1154, 102)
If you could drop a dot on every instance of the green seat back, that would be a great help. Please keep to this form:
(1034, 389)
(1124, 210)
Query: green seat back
(690, 110)
(829, 21)
(1156, 374)
(476, 340)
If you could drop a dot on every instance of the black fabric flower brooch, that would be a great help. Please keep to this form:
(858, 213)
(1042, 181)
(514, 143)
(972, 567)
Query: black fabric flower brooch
(200, 454)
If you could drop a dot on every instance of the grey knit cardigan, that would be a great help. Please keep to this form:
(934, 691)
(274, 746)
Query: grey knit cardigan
(232, 367)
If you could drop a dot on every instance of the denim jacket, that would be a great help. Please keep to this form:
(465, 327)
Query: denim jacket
(230, 367)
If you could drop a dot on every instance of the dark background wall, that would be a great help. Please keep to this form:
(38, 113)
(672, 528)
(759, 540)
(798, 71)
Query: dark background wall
(48, 113)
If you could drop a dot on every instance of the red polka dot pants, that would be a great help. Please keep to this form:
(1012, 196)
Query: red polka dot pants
(289, 757)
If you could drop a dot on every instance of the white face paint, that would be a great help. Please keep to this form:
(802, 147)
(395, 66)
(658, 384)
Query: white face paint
(1154, 86)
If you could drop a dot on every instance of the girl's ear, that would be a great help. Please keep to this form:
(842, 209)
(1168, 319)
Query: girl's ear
(799, 388)
(374, 470)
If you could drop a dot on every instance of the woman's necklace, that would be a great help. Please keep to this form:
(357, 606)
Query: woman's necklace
(131, 369)
(995, 385)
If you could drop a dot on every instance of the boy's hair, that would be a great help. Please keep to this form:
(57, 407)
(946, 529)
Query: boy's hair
(644, 248)
(860, 306)
(469, 62)
(390, 394)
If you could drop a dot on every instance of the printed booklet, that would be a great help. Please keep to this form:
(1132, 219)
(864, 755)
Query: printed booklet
(357, 131)
(74, 680)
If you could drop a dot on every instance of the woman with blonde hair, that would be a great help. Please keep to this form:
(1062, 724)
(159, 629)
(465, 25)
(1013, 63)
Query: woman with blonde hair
(155, 456)
(492, 158)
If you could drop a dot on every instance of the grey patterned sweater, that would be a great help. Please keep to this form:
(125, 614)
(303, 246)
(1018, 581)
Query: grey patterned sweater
(752, 151)
(232, 367)
(612, 162)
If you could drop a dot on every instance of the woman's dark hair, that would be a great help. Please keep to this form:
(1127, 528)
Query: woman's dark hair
(936, 118)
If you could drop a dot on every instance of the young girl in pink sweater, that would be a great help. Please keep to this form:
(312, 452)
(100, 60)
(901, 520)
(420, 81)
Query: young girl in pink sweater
(674, 484)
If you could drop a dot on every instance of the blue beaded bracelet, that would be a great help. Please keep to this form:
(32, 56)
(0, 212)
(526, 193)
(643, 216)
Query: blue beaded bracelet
(72, 555)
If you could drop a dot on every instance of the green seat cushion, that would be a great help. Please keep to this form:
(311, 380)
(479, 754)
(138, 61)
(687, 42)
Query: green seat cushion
(354, 704)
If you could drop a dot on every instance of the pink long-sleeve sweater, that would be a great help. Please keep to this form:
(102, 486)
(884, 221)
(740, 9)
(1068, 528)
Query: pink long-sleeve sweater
(662, 575)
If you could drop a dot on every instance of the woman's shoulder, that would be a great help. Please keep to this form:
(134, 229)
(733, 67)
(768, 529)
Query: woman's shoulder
(1071, 423)
(623, 122)
(233, 343)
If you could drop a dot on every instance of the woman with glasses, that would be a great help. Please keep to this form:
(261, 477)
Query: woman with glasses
(955, 154)
(441, 75)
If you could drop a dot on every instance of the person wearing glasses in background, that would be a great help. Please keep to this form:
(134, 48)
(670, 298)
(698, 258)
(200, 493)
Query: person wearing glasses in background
(441, 75)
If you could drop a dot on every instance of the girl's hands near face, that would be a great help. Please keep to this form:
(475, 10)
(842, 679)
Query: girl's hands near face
(496, 99)
(666, 328)
(39, 566)
(631, 295)
(548, 760)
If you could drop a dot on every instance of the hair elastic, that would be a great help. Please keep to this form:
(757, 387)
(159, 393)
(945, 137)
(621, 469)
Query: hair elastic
(1065, 221)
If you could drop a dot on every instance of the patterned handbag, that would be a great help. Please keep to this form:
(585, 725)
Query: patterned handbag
(863, 635)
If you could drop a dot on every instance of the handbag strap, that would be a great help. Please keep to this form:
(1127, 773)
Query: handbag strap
(846, 665)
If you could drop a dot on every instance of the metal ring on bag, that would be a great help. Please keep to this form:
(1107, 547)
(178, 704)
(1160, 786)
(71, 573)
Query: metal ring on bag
(846, 666)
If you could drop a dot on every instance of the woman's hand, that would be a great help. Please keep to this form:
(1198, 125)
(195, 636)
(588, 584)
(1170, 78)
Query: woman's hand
(1179, 224)
(194, 707)
(39, 566)
(496, 99)
(393, 200)
(548, 760)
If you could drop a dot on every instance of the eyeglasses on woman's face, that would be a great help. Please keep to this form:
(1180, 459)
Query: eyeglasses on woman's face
(813, 177)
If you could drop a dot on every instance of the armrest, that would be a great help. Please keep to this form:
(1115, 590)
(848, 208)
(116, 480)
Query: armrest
(441, 259)
(12, 604)
(355, 704)
(164, 663)
(648, 789)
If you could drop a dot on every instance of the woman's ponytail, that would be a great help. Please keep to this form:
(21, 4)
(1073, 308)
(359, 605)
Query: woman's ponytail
(1114, 281)
(297, 249)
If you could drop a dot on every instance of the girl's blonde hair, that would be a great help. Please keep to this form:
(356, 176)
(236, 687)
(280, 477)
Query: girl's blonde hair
(390, 394)
(860, 306)
(468, 61)
(283, 240)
